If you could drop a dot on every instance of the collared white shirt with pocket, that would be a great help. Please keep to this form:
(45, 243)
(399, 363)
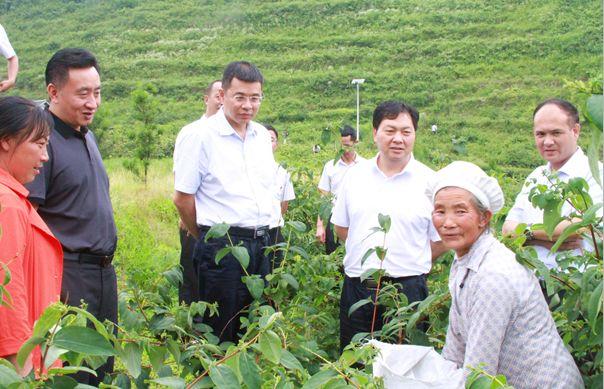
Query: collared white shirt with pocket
(233, 179)
(333, 174)
(367, 192)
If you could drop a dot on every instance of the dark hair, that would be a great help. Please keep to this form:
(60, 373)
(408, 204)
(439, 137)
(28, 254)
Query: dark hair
(346, 130)
(208, 89)
(271, 128)
(243, 71)
(21, 119)
(391, 110)
(569, 109)
(57, 69)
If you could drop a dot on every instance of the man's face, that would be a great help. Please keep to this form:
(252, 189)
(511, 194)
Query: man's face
(77, 99)
(395, 138)
(555, 137)
(241, 102)
(213, 100)
(348, 144)
(274, 140)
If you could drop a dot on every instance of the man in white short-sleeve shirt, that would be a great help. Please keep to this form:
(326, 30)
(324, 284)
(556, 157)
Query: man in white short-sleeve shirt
(226, 175)
(188, 291)
(556, 130)
(7, 51)
(393, 184)
(331, 178)
(284, 193)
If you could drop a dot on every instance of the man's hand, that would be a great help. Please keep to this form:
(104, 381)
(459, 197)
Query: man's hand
(6, 85)
(185, 204)
(320, 235)
(573, 242)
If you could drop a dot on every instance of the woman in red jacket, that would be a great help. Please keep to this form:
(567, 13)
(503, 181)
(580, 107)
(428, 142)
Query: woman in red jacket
(27, 247)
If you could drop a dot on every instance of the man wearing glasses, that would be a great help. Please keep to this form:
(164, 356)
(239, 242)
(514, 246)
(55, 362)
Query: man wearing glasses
(556, 130)
(226, 175)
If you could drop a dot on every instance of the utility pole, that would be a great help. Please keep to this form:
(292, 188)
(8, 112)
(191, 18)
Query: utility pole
(358, 82)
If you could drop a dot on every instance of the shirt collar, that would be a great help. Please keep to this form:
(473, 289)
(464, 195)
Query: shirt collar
(66, 130)
(225, 128)
(475, 256)
(408, 169)
(573, 165)
(12, 183)
(354, 161)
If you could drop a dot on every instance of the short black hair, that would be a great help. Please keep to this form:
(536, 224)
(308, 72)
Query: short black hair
(271, 128)
(391, 110)
(346, 130)
(208, 89)
(57, 69)
(21, 119)
(568, 108)
(243, 71)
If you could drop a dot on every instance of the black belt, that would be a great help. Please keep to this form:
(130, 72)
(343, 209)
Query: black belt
(94, 259)
(370, 283)
(243, 232)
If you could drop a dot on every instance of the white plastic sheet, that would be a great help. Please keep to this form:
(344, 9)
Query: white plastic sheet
(417, 367)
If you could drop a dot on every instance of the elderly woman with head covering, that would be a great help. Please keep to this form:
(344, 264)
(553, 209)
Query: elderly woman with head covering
(498, 315)
(27, 247)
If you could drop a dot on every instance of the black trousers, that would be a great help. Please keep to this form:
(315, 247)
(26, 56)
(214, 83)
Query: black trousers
(275, 237)
(222, 283)
(331, 241)
(188, 291)
(97, 287)
(414, 287)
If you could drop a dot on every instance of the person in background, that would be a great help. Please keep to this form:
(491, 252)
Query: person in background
(556, 129)
(28, 249)
(393, 183)
(7, 51)
(284, 193)
(498, 315)
(331, 180)
(72, 191)
(188, 291)
(227, 175)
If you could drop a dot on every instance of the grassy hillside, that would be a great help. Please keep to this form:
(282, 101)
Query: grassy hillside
(474, 68)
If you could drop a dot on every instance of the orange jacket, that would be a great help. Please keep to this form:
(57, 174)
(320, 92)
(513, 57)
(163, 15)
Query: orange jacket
(35, 260)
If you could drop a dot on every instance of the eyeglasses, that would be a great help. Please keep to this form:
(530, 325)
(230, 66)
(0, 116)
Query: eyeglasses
(254, 100)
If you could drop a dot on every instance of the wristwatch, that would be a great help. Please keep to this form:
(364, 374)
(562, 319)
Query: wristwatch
(528, 233)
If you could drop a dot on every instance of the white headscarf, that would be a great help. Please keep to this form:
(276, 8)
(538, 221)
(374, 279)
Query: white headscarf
(470, 177)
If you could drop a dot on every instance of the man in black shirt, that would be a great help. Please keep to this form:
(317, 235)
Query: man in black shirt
(72, 190)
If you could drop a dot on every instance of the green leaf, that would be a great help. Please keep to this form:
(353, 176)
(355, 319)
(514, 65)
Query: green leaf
(171, 382)
(49, 318)
(241, 254)
(71, 370)
(83, 340)
(224, 377)
(250, 371)
(290, 361)
(221, 254)
(131, 355)
(160, 322)
(367, 255)
(7, 275)
(174, 276)
(174, 349)
(157, 356)
(568, 231)
(368, 273)
(270, 346)
(254, 284)
(291, 280)
(594, 110)
(481, 382)
(8, 376)
(27, 348)
(296, 225)
(594, 307)
(319, 379)
(385, 222)
(325, 136)
(300, 251)
(217, 231)
(358, 305)
(53, 354)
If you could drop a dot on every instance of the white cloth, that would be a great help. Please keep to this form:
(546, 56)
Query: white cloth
(524, 212)
(333, 174)
(367, 192)
(499, 317)
(233, 179)
(6, 49)
(183, 135)
(468, 176)
(284, 192)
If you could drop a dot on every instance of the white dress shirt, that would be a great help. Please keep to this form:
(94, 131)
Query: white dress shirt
(6, 49)
(183, 135)
(367, 192)
(284, 192)
(524, 212)
(233, 179)
(333, 174)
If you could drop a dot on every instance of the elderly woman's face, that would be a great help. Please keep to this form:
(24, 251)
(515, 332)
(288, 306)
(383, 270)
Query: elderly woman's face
(457, 220)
